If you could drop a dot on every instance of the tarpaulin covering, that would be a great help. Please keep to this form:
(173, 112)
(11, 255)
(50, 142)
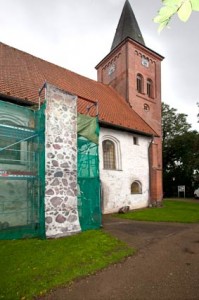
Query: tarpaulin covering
(89, 206)
(88, 127)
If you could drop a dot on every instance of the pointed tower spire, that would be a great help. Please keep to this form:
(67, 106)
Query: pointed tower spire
(127, 27)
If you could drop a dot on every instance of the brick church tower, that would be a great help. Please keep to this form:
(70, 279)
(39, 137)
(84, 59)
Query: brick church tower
(134, 71)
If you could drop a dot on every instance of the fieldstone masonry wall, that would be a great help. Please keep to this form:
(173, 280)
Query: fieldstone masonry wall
(61, 164)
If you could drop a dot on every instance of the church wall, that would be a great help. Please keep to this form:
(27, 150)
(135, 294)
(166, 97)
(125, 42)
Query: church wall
(113, 71)
(141, 61)
(133, 166)
(147, 64)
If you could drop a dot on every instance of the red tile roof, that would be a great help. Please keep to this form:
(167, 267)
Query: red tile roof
(22, 75)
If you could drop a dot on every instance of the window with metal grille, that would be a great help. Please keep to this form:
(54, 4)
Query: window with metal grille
(109, 155)
(140, 83)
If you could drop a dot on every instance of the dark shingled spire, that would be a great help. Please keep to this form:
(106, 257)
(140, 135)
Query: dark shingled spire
(127, 27)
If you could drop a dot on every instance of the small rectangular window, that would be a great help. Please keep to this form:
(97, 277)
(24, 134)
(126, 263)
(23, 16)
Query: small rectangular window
(135, 140)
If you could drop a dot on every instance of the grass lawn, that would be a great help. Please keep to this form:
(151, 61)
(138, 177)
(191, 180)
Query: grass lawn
(172, 211)
(32, 267)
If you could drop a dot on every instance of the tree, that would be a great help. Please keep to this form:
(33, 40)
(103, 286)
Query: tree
(183, 8)
(173, 123)
(180, 152)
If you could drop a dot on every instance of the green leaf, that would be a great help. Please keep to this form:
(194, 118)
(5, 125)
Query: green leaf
(163, 25)
(159, 19)
(195, 4)
(165, 13)
(184, 11)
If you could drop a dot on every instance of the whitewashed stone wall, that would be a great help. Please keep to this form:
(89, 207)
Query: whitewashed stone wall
(133, 164)
(61, 164)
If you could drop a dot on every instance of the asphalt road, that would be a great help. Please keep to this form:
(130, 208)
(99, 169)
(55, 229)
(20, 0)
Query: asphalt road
(165, 267)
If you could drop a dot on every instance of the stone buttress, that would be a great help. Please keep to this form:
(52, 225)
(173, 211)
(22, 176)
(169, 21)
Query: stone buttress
(61, 213)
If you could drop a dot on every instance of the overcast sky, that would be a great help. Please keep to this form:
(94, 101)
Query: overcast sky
(77, 35)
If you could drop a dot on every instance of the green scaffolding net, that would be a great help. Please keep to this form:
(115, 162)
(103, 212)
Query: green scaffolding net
(89, 206)
(21, 172)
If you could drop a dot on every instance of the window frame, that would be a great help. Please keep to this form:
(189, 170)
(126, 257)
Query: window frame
(149, 88)
(139, 187)
(116, 143)
(139, 83)
(108, 155)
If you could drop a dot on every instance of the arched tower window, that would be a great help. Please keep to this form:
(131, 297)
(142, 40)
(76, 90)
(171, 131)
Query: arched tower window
(149, 88)
(109, 155)
(139, 83)
(136, 187)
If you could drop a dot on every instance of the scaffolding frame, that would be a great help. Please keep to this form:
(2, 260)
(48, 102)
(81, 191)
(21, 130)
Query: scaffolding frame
(22, 174)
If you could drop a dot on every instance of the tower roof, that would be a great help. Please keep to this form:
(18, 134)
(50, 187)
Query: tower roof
(127, 27)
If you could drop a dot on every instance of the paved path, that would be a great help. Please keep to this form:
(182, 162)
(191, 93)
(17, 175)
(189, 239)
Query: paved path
(166, 266)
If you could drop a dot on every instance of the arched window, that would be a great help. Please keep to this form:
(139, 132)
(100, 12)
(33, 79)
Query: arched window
(139, 83)
(109, 155)
(136, 187)
(111, 152)
(149, 88)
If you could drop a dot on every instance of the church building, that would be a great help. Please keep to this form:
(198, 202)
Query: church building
(127, 98)
(134, 71)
